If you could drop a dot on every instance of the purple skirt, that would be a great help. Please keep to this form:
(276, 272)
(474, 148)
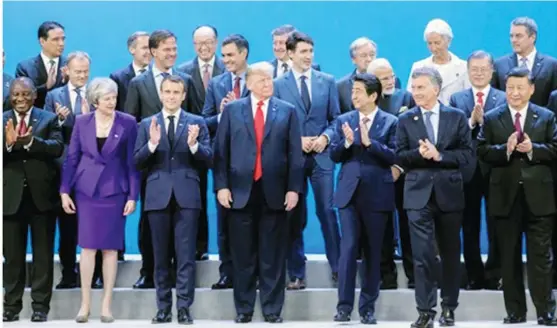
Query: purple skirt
(101, 222)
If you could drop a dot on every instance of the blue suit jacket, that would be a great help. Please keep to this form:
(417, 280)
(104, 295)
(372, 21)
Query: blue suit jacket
(552, 103)
(192, 69)
(122, 77)
(425, 176)
(217, 89)
(324, 107)
(61, 96)
(235, 152)
(274, 62)
(544, 72)
(34, 69)
(172, 170)
(372, 163)
(6, 82)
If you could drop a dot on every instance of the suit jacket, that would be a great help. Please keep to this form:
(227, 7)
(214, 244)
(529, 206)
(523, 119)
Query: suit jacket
(123, 77)
(6, 82)
(552, 104)
(274, 62)
(324, 107)
(36, 166)
(171, 169)
(143, 98)
(397, 103)
(544, 72)
(507, 173)
(235, 150)
(101, 173)
(344, 87)
(425, 176)
(34, 69)
(192, 69)
(455, 78)
(217, 89)
(368, 168)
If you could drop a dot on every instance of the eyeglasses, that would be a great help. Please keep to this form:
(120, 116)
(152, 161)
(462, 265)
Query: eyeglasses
(208, 43)
(481, 70)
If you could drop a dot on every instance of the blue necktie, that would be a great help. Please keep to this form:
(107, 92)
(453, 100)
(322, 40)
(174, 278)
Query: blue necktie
(171, 130)
(164, 75)
(524, 63)
(429, 127)
(78, 101)
(304, 92)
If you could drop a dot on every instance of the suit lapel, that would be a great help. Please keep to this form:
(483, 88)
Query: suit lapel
(469, 101)
(513, 60)
(418, 119)
(198, 78)
(275, 64)
(180, 128)
(316, 87)
(219, 68)
(270, 119)
(377, 125)
(355, 126)
(35, 118)
(248, 118)
(91, 136)
(443, 126)
(164, 134)
(226, 83)
(114, 136)
(507, 120)
(151, 87)
(531, 119)
(293, 87)
(536, 68)
(490, 100)
(43, 74)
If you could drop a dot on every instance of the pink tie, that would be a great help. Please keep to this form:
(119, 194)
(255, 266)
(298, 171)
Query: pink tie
(206, 76)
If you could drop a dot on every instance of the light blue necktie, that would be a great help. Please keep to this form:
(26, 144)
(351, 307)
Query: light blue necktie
(78, 101)
(429, 127)
(524, 63)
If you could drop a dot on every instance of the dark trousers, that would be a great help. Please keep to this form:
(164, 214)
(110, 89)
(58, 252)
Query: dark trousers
(67, 244)
(202, 244)
(322, 184)
(181, 224)
(15, 232)
(432, 233)
(538, 231)
(355, 220)
(223, 240)
(471, 227)
(258, 249)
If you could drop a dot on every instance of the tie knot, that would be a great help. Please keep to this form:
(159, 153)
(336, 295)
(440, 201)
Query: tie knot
(365, 120)
(141, 71)
(206, 66)
(428, 114)
(517, 115)
(77, 90)
(165, 75)
(22, 115)
(285, 65)
(260, 103)
(524, 60)
(171, 118)
(480, 94)
(52, 62)
(237, 79)
(303, 78)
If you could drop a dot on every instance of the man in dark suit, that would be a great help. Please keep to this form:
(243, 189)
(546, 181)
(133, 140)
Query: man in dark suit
(201, 69)
(221, 90)
(258, 189)
(168, 146)
(543, 68)
(434, 145)
(552, 103)
(395, 101)
(138, 46)
(6, 81)
(362, 52)
(315, 96)
(32, 143)
(282, 62)
(519, 141)
(364, 143)
(143, 100)
(46, 69)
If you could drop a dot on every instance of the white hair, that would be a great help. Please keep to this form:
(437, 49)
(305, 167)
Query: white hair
(378, 63)
(260, 67)
(98, 88)
(360, 42)
(77, 55)
(440, 27)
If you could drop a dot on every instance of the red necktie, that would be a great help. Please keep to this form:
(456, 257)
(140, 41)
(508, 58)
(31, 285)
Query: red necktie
(22, 125)
(237, 88)
(259, 127)
(518, 128)
(480, 96)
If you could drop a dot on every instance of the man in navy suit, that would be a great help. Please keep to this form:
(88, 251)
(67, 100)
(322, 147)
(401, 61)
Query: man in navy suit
(519, 141)
(138, 47)
(315, 96)
(169, 147)
(143, 100)
(258, 189)
(475, 102)
(543, 68)
(6, 81)
(282, 62)
(45, 70)
(552, 103)
(434, 145)
(220, 91)
(201, 69)
(395, 101)
(364, 143)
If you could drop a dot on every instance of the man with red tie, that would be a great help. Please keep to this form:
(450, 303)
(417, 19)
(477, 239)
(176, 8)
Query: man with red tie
(257, 188)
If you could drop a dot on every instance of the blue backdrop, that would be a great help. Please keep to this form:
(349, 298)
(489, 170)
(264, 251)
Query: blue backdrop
(101, 29)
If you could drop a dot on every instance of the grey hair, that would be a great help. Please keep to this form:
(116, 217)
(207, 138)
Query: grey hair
(529, 23)
(360, 42)
(260, 67)
(378, 63)
(98, 88)
(78, 55)
(282, 30)
(431, 72)
(480, 54)
(132, 39)
(440, 27)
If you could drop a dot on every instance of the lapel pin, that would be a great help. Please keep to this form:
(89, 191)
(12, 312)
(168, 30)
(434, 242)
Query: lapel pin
(415, 118)
(535, 115)
(180, 124)
(115, 136)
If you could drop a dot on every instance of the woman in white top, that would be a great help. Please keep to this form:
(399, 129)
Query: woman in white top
(438, 36)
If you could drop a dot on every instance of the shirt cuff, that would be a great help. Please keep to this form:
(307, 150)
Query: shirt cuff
(530, 154)
(152, 147)
(218, 117)
(9, 148)
(61, 122)
(346, 144)
(27, 146)
(472, 126)
(509, 156)
(326, 136)
(193, 149)
(399, 168)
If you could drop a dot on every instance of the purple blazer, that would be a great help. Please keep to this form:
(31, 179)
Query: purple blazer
(101, 174)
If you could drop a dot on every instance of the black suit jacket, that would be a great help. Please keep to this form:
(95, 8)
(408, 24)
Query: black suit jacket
(544, 72)
(274, 62)
(122, 77)
(397, 103)
(34, 69)
(344, 87)
(143, 98)
(192, 69)
(36, 166)
(507, 173)
(552, 103)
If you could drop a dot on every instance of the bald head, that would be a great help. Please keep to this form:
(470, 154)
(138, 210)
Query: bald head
(205, 42)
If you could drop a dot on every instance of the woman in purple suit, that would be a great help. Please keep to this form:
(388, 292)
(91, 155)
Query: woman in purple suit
(99, 168)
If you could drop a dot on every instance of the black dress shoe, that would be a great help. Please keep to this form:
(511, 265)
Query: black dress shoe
(411, 284)
(447, 318)
(184, 317)
(368, 319)
(334, 277)
(38, 316)
(144, 282)
(97, 284)
(67, 283)
(272, 318)
(342, 316)
(388, 283)
(199, 256)
(474, 285)
(547, 319)
(121, 256)
(425, 320)
(512, 318)
(224, 283)
(243, 318)
(493, 284)
(162, 316)
(10, 316)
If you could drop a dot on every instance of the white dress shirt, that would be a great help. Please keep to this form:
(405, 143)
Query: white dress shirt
(137, 69)
(166, 114)
(434, 120)
(264, 108)
(280, 69)
(529, 59)
(158, 78)
(73, 97)
(46, 62)
(202, 64)
(27, 120)
(298, 76)
(475, 91)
